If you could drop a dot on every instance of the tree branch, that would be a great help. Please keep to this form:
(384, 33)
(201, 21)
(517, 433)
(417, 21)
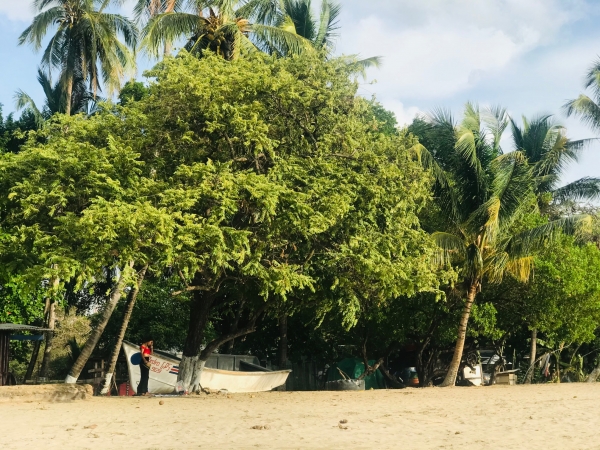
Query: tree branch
(249, 328)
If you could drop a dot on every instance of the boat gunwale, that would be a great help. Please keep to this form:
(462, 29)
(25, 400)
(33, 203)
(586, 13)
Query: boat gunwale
(163, 355)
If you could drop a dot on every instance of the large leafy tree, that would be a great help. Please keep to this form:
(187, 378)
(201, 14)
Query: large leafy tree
(482, 192)
(85, 45)
(73, 200)
(287, 189)
(549, 151)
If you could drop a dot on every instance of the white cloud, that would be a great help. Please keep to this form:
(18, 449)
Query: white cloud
(17, 10)
(438, 48)
(404, 115)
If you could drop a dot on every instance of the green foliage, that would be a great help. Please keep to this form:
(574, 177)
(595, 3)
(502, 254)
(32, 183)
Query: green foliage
(21, 305)
(269, 180)
(132, 91)
(565, 296)
(12, 131)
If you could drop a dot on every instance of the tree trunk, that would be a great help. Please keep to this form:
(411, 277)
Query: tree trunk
(234, 326)
(450, 379)
(190, 367)
(32, 361)
(69, 94)
(532, 353)
(117, 349)
(283, 342)
(593, 376)
(51, 324)
(49, 335)
(169, 9)
(96, 333)
(560, 349)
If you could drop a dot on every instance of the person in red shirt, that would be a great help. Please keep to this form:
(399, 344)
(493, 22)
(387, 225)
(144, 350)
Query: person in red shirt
(146, 350)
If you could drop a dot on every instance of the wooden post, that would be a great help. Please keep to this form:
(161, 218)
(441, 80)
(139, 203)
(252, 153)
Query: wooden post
(4, 346)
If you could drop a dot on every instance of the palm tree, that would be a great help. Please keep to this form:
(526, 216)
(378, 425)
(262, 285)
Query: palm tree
(319, 31)
(482, 192)
(223, 27)
(82, 100)
(85, 44)
(549, 151)
(145, 10)
(585, 107)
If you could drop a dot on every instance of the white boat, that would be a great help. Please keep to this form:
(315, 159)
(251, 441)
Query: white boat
(164, 369)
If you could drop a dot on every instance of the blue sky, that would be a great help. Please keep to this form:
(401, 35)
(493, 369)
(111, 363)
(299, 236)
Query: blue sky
(527, 55)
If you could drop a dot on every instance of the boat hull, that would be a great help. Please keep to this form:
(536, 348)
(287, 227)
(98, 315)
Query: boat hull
(164, 370)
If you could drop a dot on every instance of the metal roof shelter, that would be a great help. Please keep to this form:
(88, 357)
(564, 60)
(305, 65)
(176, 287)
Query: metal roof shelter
(5, 335)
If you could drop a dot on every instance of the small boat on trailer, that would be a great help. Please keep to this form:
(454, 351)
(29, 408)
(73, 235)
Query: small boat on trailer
(245, 374)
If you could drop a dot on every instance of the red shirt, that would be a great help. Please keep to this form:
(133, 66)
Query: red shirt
(145, 350)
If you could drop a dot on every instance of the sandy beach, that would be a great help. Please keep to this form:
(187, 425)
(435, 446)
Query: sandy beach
(563, 416)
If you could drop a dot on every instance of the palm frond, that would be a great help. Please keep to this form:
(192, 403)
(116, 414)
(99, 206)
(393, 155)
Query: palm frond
(501, 263)
(497, 120)
(443, 188)
(168, 27)
(260, 11)
(585, 109)
(286, 42)
(512, 184)
(360, 66)
(24, 101)
(592, 80)
(34, 33)
(450, 247)
(328, 24)
(528, 242)
(587, 188)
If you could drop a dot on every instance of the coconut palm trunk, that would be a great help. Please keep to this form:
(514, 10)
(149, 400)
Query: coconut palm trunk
(450, 379)
(532, 353)
(117, 348)
(69, 95)
(96, 333)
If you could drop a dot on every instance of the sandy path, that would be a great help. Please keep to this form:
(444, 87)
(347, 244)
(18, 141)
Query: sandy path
(518, 417)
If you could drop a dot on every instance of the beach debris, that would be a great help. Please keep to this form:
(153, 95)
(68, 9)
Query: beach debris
(344, 421)
(261, 427)
(161, 402)
(208, 391)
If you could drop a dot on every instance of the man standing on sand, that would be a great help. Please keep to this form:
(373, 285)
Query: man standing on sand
(146, 350)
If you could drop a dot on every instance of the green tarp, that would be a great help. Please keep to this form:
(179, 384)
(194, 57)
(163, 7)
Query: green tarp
(354, 368)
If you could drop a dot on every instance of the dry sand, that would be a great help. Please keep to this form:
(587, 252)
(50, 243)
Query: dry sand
(545, 417)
